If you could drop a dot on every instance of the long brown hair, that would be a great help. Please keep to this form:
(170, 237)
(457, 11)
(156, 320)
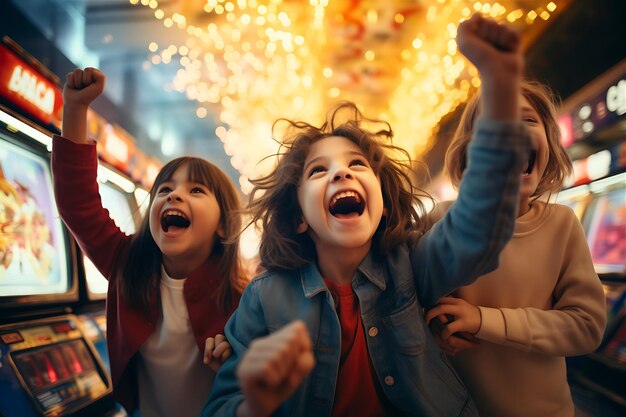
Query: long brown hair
(274, 199)
(141, 273)
(544, 101)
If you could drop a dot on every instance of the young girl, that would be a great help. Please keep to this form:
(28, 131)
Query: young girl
(173, 284)
(544, 302)
(338, 243)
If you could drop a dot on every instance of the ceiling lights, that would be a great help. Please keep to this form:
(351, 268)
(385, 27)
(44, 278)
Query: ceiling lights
(254, 61)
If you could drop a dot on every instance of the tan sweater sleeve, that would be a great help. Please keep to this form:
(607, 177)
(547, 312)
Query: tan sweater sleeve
(576, 323)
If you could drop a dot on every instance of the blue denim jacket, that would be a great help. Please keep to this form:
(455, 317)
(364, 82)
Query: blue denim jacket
(410, 368)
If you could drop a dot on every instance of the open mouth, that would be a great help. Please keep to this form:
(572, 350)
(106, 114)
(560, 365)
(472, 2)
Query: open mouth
(346, 204)
(174, 218)
(532, 158)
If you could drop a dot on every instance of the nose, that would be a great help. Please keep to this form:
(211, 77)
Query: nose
(342, 173)
(174, 196)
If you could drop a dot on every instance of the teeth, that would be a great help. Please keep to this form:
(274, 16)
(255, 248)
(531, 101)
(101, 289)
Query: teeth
(174, 213)
(345, 194)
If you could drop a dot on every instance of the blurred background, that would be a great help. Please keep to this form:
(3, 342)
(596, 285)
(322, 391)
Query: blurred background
(208, 78)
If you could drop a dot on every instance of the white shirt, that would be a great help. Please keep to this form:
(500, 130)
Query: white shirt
(173, 381)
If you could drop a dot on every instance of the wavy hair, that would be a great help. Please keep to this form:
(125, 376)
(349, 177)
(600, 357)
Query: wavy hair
(274, 206)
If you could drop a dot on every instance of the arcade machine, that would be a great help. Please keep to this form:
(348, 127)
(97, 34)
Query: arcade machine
(604, 371)
(48, 367)
(595, 125)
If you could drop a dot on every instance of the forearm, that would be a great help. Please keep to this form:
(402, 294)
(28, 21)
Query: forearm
(500, 97)
(74, 169)
(466, 243)
(568, 332)
(74, 125)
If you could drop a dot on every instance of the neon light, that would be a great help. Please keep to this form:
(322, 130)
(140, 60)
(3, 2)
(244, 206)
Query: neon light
(32, 89)
(26, 129)
(115, 178)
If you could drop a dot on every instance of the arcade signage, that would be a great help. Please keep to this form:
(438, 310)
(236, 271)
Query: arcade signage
(24, 87)
(598, 111)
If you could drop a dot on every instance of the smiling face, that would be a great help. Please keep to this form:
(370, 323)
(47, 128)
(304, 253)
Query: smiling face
(537, 165)
(184, 222)
(340, 197)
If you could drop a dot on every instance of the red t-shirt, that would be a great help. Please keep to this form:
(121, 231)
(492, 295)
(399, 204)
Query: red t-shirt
(355, 393)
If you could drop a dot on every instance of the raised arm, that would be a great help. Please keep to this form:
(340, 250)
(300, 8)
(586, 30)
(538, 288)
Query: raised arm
(75, 169)
(466, 243)
(81, 88)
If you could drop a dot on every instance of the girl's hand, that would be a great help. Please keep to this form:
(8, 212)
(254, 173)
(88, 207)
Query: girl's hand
(82, 87)
(465, 318)
(273, 368)
(455, 343)
(216, 351)
(489, 45)
(495, 51)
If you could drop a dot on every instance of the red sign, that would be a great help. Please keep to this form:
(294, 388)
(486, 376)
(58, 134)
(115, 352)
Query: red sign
(116, 147)
(25, 87)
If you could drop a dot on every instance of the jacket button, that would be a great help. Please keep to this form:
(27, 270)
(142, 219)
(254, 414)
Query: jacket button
(372, 332)
(389, 380)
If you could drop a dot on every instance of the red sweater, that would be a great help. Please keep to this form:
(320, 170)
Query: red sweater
(74, 169)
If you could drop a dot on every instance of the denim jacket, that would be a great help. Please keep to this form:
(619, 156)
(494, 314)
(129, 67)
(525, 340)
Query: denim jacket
(409, 367)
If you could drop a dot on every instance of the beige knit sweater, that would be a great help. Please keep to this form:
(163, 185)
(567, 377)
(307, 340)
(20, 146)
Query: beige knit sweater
(543, 303)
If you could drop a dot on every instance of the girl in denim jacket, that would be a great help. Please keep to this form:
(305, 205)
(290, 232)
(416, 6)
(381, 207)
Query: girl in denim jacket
(345, 261)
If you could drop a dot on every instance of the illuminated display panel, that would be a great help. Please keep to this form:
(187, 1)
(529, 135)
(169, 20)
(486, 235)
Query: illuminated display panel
(33, 252)
(606, 232)
(61, 377)
(577, 201)
(120, 210)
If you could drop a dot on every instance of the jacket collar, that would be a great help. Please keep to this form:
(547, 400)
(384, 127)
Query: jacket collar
(312, 281)
(373, 269)
(370, 268)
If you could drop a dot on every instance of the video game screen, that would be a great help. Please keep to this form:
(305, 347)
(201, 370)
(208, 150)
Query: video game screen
(33, 257)
(61, 376)
(606, 232)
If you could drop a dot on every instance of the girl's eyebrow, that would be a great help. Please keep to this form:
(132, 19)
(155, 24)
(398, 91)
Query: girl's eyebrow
(527, 109)
(322, 157)
(312, 161)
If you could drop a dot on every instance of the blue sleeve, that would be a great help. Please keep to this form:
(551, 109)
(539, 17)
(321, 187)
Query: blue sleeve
(467, 242)
(246, 324)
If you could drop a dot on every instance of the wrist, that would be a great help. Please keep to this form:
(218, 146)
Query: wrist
(75, 107)
(480, 321)
(500, 99)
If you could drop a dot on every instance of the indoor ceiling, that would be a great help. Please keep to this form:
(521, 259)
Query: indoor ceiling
(208, 77)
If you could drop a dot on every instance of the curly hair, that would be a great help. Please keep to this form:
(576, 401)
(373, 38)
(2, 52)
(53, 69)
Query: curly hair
(544, 102)
(274, 203)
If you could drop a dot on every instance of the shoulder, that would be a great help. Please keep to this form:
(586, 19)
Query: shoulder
(560, 219)
(274, 280)
(561, 212)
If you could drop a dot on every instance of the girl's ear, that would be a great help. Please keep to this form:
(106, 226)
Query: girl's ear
(220, 232)
(302, 227)
(385, 211)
